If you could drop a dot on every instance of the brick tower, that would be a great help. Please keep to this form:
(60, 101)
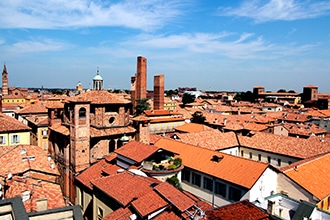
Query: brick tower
(79, 141)
(141, 78)
(4, 81)
(133, 86)
(159, 92)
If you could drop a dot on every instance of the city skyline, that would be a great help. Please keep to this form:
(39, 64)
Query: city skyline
(220, 46)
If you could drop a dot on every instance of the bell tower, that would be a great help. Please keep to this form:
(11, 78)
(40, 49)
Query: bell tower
(4, 81)
(79, 141)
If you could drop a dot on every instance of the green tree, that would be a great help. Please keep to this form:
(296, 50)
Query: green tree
(281, 90)
(174, 181)
(141, 106)
(198, 117)
(187, 98)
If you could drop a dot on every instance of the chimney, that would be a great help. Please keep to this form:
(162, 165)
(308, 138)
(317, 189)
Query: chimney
(159, 92)
(225, 121)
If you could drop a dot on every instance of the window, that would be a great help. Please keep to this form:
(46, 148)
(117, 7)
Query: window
(208, 183)
(186, 175)
(15, 138)
(44, 133)
(250, 155)
(2, 140)
(99, 213)
(112, 120)
(220, 189)
(196, 179)
(242, 153)
(259, 157)
(234, 194)
(278, 162)
(269, 159)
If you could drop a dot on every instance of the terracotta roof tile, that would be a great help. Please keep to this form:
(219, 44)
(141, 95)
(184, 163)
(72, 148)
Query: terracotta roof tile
(100, 169)
(290, 146)
(210, 139)
(9, 124)
(192, 127)
(313, 175)
(119, 214)
(24, 158)
(240, 210)
(240, 171)
(38, 120)
(166, 215)
(174, 196)
(136, 151)
(123, 187)
(32, 109)
(59, 128)
(148, 203)
(99, 97)
(36, 190)
(304, 129)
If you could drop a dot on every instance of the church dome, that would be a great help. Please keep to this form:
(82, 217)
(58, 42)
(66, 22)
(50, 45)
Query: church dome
(98, 77)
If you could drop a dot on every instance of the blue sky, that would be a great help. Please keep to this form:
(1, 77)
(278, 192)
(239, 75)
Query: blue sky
(211, 45)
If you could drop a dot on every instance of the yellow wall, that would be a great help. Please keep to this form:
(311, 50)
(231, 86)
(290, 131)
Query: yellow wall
(13, 100)
(24, 138)
(43, 140)
(164, 126)
(324, 204)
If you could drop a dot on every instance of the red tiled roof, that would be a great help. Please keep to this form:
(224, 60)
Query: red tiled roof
(237, 170)
(123, 187)
(304, 129)
(38, 120)
(24, 158)
(192, 127)
(99, 97)
(167, 215)
(119, 214)
(240, 210)
(313, 175)
(9, 124)
(98, 170)
(37, 190)
(32, 109)
(211, 139)
(290, 146)
(172, 119)
(59, 128)
(148, 203)
(174, 196)
(136, 151)
(157, 112)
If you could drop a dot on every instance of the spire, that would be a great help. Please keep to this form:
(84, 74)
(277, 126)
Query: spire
(4, 69)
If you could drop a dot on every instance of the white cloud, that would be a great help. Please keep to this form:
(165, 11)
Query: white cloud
(37, 45)
(271, 10)
(232, 45)
(53, 14)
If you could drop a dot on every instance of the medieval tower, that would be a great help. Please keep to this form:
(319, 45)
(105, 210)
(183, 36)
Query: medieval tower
(4, 81)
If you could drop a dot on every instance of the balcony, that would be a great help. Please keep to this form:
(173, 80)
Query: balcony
(164, 167)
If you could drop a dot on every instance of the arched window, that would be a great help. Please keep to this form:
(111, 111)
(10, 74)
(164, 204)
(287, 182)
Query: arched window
(82, 113)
